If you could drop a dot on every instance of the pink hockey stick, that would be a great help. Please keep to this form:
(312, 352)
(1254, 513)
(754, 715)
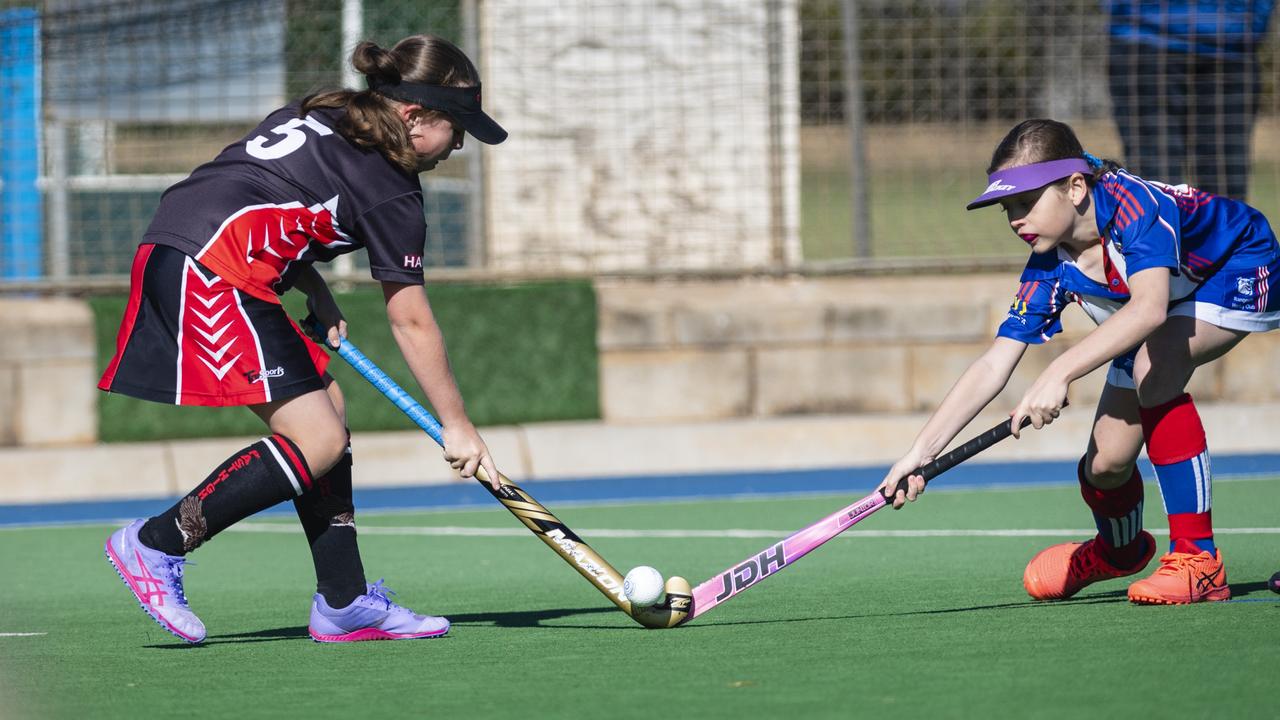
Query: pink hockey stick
(774, 558)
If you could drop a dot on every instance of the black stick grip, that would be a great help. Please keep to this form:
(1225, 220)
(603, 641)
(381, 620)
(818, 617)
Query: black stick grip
(953, 458)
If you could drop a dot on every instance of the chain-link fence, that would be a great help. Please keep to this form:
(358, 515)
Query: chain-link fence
(941, 81)
(646, 138)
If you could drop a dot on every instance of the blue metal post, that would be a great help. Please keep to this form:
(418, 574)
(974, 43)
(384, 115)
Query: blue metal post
(21, 213)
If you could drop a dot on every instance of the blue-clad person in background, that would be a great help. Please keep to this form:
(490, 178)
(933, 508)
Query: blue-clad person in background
(1185, 85)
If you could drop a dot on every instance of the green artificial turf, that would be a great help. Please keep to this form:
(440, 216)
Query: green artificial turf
(521, 353)
(867, 626)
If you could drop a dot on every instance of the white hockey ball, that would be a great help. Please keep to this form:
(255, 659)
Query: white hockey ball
(643, 586)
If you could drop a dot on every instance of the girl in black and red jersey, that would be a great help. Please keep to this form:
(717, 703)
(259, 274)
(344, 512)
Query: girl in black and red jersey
(329, 175)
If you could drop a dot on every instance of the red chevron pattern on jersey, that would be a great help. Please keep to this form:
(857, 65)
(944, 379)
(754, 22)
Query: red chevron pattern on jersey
(218, 350)
(190, 338)
(255, 246)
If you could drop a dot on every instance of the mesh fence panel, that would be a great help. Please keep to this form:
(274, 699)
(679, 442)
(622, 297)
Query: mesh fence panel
(687, 136)
(941, 82)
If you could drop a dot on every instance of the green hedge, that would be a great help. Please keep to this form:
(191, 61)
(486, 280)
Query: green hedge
(521, 353)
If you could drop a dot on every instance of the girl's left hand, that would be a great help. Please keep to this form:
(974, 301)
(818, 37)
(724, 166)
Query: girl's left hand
(326, 312)
(466, 453)
(1042, 403)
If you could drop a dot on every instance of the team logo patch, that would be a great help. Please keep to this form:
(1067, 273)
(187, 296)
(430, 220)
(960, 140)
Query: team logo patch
(1244, 286)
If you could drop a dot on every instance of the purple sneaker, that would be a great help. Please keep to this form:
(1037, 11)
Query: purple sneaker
(155, 580)
(371, 616)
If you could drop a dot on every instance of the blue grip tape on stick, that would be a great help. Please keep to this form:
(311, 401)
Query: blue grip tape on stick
(385, 385)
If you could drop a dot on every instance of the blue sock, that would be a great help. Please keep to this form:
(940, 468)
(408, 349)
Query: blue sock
(1178, 450)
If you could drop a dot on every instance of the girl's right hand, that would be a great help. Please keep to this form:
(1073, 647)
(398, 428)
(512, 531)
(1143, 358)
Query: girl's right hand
(467, 453)
(905, 468)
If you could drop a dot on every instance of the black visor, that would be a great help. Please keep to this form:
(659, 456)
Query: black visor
(461, 103)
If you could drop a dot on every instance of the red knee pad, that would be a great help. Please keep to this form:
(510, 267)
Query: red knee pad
(1173, 431)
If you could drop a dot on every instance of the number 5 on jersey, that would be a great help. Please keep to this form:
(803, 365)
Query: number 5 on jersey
(291, 138)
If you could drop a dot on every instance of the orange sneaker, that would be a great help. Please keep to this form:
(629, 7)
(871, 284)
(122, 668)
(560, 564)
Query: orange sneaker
(1060, 571)
(1183, 578)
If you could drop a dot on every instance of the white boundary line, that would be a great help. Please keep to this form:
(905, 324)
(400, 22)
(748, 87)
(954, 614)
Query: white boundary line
(462, 531)
(29, 634)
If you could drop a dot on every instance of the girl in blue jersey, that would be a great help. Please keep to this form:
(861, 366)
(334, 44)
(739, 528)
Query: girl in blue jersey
(1175, 278)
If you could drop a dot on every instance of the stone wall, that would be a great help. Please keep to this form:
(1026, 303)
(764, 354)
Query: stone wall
(676, 351)
(690, 351)
(47, 373)
(642, 135)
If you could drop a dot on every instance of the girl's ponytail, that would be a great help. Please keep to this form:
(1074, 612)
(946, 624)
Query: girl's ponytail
(1101, 166)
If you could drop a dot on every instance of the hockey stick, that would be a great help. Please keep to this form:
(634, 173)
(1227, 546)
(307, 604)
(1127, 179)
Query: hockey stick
(533, 514)
(774, 558)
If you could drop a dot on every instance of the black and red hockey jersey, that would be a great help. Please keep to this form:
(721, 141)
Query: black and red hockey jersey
(294, 191)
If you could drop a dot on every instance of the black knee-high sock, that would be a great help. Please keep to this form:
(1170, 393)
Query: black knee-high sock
(267, 472)
(328, 517)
